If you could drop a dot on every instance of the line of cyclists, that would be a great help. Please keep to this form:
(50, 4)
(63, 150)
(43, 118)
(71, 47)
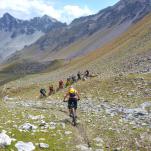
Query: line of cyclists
(61, 85)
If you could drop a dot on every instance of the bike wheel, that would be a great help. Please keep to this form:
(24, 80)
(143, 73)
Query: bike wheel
(73, 118)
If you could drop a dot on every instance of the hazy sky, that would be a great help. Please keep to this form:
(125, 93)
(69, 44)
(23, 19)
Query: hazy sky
(62, 10)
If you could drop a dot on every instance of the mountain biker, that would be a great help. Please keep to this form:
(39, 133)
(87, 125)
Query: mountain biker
(79, 75)
(61, 84)
(51, 90)
(87, 73)
(42, 92)
(68, 83)
(74, 80)
(73, 98)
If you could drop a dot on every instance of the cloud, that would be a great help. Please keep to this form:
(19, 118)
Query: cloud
(75, 11)
(25, 9)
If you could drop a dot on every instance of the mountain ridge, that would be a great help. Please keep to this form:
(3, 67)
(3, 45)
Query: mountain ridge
(10, 23)
(124, 13)
(84, 34)
(17, 34)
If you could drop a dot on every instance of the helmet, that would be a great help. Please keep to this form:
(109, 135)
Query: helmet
(71, 90)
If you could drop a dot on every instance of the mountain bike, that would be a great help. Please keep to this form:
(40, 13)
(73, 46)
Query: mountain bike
(73, 114)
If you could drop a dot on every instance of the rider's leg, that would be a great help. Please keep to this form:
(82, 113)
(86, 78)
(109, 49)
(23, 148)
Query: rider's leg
(75, 108)
(70, 112)
(69, 107)
(42, 94)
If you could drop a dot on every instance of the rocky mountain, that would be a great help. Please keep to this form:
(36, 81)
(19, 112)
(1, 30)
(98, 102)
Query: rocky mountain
(17, 34)
(44, 24)
(123, 11)
(83, 35)
(94, 31)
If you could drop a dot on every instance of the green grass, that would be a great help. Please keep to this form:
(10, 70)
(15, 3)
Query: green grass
(18, 115)
(114, 132)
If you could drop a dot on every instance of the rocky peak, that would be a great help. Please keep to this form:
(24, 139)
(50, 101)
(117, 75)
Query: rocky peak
(8, 22)
(47, 18)
(44, 19)
(133, 10)
(123, 11)
(134, 1)
(44, 24)
(7, 16)
(124, 3)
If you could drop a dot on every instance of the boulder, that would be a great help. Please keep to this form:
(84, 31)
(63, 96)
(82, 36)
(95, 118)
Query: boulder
(25, 146)
(5, 140)
(27, 127)
(43, 145)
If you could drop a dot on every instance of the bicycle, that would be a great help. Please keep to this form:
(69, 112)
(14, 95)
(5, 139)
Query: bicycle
(73, 114)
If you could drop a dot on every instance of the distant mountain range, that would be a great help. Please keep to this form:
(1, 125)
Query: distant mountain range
(46, 39)
(44, 24)
(15, 34)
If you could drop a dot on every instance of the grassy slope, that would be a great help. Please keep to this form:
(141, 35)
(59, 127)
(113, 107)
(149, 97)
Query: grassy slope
(135, 41)
(114, 132)
(107, 59)
(76, 48)
(81, 44)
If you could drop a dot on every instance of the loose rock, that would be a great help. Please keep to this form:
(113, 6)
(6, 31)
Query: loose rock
(43, 145)
(27, 127)
(5, 140)
(23, 146)
(83, 147)
(68, 132)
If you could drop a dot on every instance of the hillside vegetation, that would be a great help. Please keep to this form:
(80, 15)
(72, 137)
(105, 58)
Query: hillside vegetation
(129, 53)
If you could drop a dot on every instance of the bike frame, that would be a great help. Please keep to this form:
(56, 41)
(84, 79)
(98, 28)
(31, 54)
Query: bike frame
(73, 116)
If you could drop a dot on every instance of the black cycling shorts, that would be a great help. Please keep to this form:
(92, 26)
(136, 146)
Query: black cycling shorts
(72, 103)
(43, 93)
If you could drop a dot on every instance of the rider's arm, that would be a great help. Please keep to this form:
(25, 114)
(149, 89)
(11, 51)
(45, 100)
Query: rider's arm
(78, 95)
(65, 96)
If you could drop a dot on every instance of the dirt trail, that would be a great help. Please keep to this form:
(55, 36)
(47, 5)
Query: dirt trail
(81, 131)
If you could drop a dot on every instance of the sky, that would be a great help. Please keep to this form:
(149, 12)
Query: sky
(62, 10)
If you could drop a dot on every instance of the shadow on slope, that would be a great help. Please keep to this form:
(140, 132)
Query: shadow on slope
(20, 69)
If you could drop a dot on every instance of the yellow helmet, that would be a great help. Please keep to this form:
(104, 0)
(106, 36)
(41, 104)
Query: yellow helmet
(71, 90)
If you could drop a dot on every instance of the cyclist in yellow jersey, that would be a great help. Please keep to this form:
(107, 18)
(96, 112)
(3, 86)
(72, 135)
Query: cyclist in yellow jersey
(73, 97)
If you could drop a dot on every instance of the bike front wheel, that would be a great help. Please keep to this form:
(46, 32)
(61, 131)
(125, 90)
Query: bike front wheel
(73, 117)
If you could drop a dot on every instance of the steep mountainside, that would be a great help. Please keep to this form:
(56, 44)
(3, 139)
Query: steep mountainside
(15, 34)
(92, 31)
(129, 53)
